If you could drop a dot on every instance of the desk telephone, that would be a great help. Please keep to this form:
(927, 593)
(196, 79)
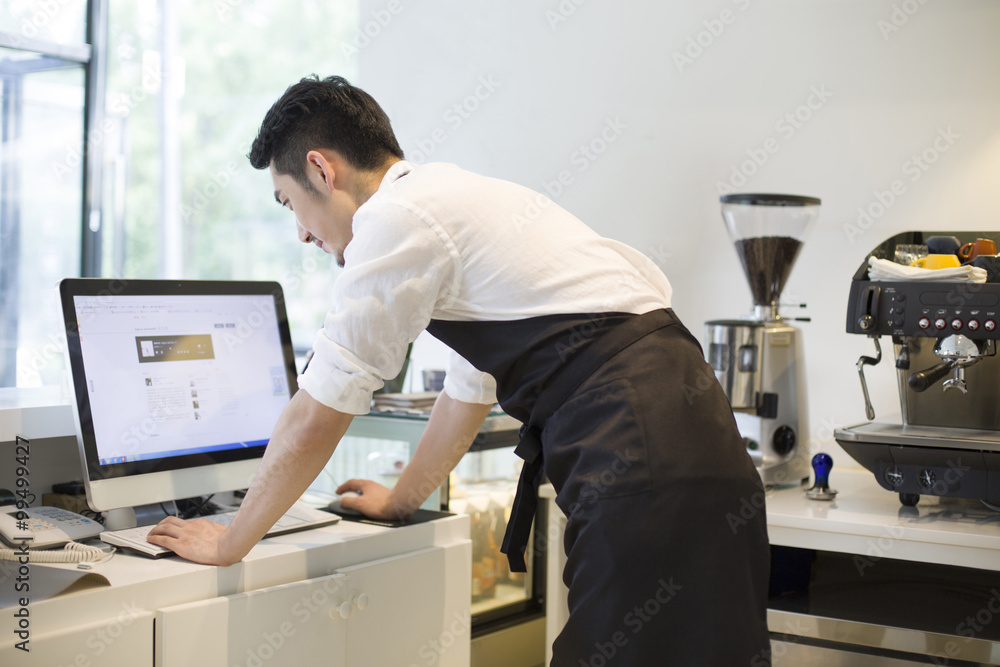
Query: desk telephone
(45, 526)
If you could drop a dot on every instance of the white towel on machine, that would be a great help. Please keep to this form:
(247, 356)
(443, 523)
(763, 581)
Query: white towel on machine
(883, 269)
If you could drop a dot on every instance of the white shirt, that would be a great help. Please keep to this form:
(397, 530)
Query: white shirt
(437, 242)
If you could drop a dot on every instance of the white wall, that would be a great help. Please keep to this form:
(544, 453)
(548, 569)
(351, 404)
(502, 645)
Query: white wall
(537, 80)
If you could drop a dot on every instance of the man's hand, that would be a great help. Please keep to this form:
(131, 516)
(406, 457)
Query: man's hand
(374, 501)
(196, 539)
(452, 426)
(303, 440)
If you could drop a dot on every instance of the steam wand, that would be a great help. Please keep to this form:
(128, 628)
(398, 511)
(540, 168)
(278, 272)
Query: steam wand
(871, 361)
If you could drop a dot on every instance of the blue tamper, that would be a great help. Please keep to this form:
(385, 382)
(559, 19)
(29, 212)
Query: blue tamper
(822, 465)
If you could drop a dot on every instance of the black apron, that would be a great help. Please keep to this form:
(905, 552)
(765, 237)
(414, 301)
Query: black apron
(666, 565)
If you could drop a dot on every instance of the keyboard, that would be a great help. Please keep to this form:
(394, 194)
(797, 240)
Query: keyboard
(298, 517)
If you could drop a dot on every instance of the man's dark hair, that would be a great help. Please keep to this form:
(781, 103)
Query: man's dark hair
(323, 113)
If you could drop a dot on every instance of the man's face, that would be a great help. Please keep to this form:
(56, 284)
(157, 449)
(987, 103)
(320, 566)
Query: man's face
(322, 217)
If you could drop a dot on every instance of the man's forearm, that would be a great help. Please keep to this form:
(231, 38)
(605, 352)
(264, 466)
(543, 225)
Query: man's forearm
(303, 441)
(450, 430)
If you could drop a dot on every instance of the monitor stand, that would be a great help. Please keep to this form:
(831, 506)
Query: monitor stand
(151, 514)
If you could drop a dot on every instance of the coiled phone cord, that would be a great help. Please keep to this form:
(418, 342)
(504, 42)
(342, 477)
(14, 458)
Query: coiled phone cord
(73, 552)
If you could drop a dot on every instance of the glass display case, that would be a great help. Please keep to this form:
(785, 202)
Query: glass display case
(378, 446)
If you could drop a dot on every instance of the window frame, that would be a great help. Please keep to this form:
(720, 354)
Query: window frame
(90, 55)
(93, 113)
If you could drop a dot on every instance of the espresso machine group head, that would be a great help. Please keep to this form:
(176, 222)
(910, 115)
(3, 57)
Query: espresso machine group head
(759, 359)
(948, 376)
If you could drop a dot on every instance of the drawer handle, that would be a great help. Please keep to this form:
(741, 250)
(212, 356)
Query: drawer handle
(343, 610)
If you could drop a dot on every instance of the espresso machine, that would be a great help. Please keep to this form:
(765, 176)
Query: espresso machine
(944, 344)
(759, 359)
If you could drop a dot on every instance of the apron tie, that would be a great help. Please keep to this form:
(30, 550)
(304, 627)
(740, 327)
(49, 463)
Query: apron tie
(515, 539)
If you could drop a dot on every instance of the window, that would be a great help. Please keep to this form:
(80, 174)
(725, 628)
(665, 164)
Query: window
(182, 89)
(43, 63)
(188, 85)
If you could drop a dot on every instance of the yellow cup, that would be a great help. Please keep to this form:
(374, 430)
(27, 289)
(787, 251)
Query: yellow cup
(937, 262)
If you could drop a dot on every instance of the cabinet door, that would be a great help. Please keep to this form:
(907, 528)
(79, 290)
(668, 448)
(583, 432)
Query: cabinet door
(123, 641)
(411, 610)
(293, 625)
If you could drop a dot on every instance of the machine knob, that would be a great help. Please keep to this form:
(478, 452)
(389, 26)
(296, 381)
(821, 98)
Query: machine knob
(822, 465)
(783, 440)
(866, 322)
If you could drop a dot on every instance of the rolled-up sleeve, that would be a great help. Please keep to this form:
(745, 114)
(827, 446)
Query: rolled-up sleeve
(464, 382)
(399, 267)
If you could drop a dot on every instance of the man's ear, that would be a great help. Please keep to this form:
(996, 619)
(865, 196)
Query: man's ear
(318, 165)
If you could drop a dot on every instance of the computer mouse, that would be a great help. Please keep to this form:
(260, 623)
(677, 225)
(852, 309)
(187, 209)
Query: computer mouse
(335, 507)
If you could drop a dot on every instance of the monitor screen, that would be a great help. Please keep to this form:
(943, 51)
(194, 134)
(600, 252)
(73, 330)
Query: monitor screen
(178, 384)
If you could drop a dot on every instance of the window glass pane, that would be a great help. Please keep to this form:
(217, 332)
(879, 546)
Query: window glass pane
(41, 116)
(61, 21)
(187, 89)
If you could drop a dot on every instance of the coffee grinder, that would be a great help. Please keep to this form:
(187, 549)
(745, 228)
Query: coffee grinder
(758, 360)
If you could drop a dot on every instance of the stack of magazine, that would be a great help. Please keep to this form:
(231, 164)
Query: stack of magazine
(416, 403)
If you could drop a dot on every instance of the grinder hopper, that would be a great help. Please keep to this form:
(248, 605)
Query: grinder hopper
(768, 231)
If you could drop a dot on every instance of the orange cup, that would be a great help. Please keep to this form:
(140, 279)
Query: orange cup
(970, 251)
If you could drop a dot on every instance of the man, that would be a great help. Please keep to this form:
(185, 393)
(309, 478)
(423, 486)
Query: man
(571, 332)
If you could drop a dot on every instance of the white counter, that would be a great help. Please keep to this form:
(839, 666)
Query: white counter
(337, 589)
(868, 520)
(421, 570)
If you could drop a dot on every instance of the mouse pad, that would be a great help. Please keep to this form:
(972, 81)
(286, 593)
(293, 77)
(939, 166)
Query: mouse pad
(420, 516)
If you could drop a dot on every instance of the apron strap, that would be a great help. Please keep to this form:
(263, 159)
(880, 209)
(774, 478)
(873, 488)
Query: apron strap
(525, 500)
(560, 386)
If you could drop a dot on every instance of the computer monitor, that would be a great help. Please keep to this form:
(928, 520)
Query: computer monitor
(177, 384)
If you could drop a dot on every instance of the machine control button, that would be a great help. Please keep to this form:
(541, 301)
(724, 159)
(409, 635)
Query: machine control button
(989, 325)
(956, 324)
(927, 478)
(940, 323)
(894, 476)
(973, 325)
(900, 297)
(923, 323)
